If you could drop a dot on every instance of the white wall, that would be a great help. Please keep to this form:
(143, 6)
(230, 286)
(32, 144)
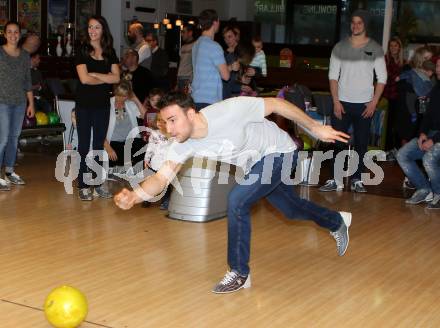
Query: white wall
(241, 9)
(112, 11)
(161, 7)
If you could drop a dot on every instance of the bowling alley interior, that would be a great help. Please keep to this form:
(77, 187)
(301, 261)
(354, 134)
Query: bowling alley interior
(84, 126)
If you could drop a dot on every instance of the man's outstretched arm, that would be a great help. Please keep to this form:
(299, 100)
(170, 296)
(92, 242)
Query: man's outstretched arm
(291, 112)
(149, 188)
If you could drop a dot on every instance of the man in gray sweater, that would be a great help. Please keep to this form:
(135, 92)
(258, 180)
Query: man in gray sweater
(353, 63)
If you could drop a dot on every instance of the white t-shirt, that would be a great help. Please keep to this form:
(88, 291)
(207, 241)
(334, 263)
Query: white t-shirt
(238, 134)
(144, 52)
(354, 70)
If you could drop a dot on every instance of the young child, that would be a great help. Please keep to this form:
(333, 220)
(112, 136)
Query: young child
(150, 104)
(155, 154)
(259, 60)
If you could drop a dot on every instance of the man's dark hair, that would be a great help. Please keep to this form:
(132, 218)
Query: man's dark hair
(190, 27)
(153, 36)
(180, 99)
(207, 18)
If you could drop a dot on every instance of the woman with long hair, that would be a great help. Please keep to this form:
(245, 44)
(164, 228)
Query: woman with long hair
(15, 95)
(408, 117)
(420, 55)
(97, 68)
(394, 62)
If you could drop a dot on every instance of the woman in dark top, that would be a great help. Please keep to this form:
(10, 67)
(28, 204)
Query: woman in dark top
(15, 90)
(394, 62)
(97, 67)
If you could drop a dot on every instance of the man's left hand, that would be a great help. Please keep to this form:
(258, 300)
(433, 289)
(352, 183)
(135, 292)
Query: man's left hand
(370, 108)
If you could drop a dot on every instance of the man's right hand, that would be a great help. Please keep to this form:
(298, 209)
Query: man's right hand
(338, 110)
(126, 199)
(235, 66)
(422, 138)
(327, 134)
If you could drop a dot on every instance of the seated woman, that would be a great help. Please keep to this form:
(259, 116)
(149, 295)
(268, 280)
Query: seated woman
(125, 108)
(408, 118)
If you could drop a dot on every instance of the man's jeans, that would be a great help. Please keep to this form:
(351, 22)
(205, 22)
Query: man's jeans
(361, 133)
(270, 184)
(407, 157)
(11, 121)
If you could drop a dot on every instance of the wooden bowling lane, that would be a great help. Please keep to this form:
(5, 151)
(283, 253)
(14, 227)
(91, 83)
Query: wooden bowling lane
(139, 269)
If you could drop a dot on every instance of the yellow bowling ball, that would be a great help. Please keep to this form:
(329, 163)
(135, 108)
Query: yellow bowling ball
(41, 118)
(308, 142)
(65, 307)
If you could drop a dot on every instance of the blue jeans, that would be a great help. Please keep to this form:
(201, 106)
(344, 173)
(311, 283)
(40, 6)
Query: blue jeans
(407, 157)
(361, 133)
(11, 121)
(281, 196)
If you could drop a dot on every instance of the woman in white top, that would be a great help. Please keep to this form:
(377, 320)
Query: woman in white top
(125, 107)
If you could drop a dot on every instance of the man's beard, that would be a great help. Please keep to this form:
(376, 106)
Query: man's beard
(358, 33)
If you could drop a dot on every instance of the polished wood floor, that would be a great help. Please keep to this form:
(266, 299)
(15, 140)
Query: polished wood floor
(139, 269)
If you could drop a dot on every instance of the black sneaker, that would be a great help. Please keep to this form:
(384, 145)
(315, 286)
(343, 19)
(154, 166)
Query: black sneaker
(357, 186)
(407, 184)
(164, 205)
(391, 155)
(435, 203)
(103, 192)
(85, 194)
(232, 282)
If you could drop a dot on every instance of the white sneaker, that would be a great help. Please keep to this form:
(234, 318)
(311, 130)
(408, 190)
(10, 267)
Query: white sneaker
(341, 235)
(331, 185)
(14, 179)
(4, 185)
